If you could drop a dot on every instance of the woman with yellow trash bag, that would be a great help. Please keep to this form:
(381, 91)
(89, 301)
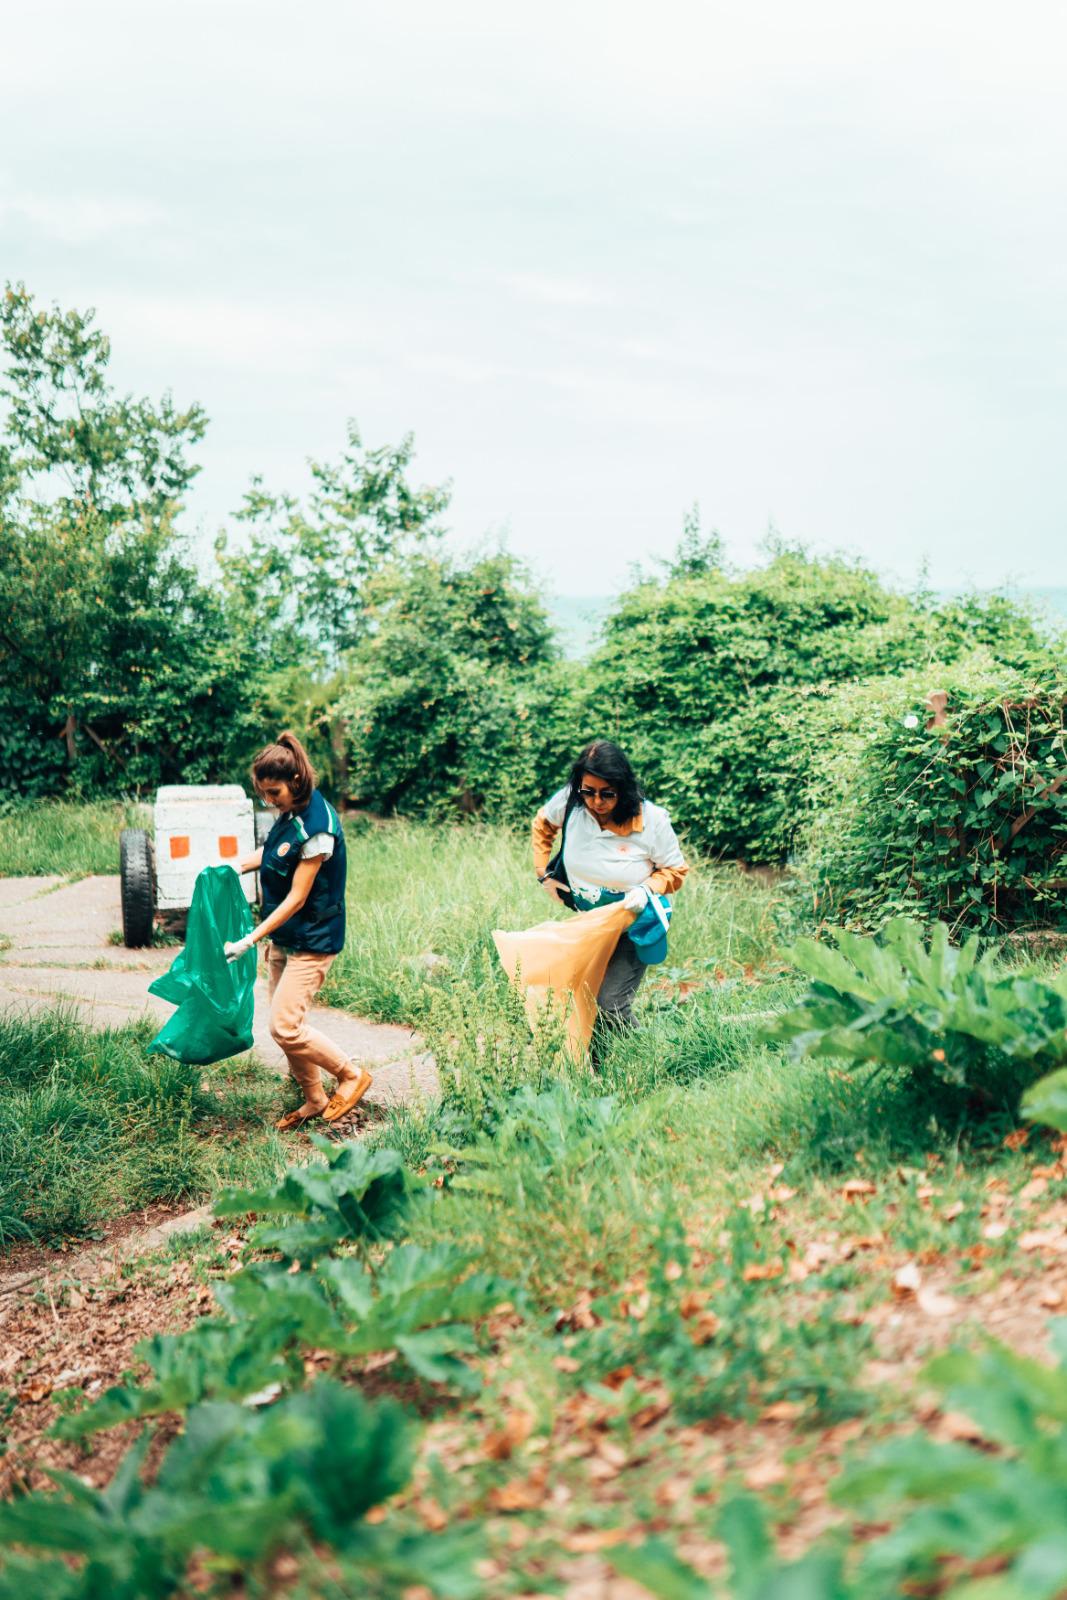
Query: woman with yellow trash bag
(617, 858)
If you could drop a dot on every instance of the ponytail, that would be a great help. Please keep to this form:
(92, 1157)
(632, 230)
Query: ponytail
(286, 762)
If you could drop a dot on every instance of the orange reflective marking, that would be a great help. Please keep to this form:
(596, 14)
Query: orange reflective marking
(179, 845)
(228, 845)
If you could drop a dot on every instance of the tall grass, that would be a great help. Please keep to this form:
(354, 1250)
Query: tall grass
(423, 901)
(91, 1127)
(65, 837)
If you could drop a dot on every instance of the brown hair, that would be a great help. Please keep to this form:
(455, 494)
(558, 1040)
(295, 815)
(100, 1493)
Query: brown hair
(286, 762)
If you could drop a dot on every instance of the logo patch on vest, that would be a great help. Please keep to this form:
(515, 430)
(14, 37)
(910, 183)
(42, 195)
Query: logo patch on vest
(283, 849)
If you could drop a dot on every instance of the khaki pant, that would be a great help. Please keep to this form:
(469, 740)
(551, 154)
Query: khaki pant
(294, 978)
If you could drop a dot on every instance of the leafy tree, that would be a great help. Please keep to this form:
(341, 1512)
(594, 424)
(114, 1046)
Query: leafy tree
(301, 579)
(435, 696)
(118, 666)
(698, 552)
(69, 436)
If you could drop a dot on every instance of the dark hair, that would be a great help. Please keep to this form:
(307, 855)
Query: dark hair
(286, 762)
(603, 759)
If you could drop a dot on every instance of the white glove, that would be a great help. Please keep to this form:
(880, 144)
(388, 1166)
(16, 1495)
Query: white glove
(635, 899)
(233, 951)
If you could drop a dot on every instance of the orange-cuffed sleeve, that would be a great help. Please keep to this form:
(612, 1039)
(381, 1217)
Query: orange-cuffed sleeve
(666, 880)
(543, 834)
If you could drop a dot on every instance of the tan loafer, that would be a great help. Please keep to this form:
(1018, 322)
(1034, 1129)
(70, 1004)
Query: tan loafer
(296, 1119)
(347, 1095)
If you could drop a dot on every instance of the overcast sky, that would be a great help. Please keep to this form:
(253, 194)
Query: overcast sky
(802, 263)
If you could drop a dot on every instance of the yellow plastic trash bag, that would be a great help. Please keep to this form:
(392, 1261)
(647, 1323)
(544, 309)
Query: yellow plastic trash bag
(214, 996)
(563, 964)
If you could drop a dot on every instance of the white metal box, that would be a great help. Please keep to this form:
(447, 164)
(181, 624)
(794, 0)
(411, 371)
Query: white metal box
(196, 826)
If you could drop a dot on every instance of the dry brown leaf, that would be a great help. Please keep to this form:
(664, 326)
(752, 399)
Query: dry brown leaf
(950, 1213)
(704, 1328)
(876, 1372)
(503, 1442)
(522, 1494)
(857, 1189)
(588, 1540)
(1032, 1190)
(618, 1377)
(32, 1393)
(579, 1317)
(1043, 1239)
(1051, 1298)
(766, 1473)
(431, 1515)
(636, 1306)
(1016, 1140)
(566, 1364)
(994, 1230)
(611, 1452)
(955, 1425)
(762, 1271)
(651, 1413)
(782, 1411)
(906, 1281)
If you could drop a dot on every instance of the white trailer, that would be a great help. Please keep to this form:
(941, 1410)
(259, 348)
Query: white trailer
(195, 825)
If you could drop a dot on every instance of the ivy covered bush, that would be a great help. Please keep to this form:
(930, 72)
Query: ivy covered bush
(965, 820)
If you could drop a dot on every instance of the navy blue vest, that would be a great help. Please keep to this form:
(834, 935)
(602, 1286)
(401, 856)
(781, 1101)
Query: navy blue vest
(319, 925)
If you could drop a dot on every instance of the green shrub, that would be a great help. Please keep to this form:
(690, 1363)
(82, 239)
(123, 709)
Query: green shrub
(724, 689)
(961, 1504)
(294, 1467)
(453, 704)
(963, 821)
(237, 1487)
(962, 1031)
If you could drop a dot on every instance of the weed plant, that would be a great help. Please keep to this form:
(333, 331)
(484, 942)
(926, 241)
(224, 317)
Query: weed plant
(423, 901)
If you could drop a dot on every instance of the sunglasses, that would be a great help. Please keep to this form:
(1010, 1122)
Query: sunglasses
(598, 794)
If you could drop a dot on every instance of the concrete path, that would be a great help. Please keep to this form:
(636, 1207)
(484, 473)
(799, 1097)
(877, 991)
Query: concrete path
(55, 946)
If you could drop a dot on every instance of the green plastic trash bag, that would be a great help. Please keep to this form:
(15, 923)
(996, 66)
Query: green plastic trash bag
(214, 996)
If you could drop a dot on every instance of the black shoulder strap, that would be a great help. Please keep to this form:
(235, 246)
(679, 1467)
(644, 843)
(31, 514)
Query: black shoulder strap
(571, 803)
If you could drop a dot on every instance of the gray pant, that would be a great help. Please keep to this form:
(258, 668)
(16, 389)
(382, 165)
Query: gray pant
(621, 982)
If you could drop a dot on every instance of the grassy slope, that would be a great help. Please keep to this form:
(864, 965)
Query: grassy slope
(704, 1238)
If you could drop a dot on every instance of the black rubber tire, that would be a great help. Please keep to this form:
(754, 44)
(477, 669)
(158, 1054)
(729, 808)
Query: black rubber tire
(137, 869)
(264, 823)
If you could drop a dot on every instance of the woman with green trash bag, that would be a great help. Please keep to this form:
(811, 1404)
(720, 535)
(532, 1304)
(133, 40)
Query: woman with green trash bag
(302, 869)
